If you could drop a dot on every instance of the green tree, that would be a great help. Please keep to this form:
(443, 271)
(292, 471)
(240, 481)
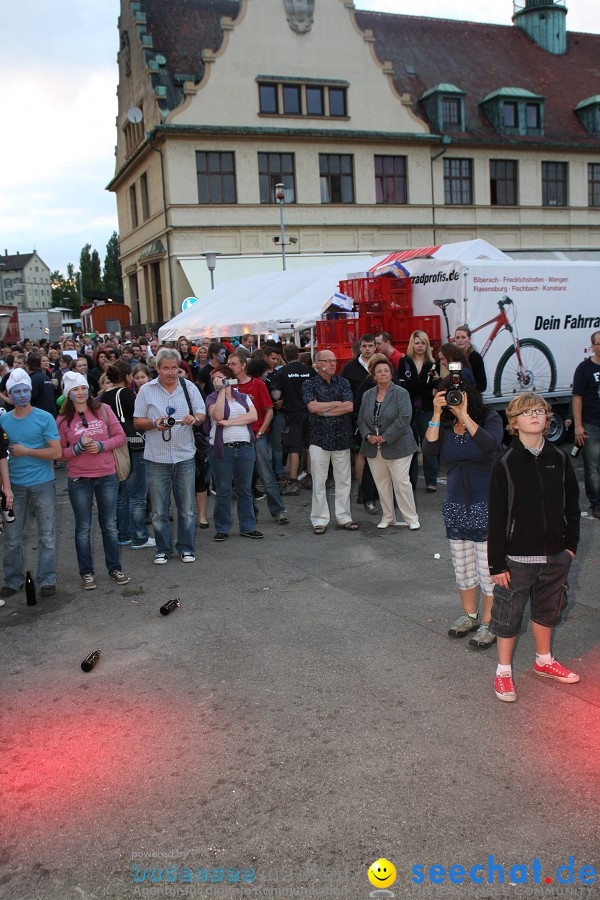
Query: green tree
(85, 267)
(65, 291)
(112, 266)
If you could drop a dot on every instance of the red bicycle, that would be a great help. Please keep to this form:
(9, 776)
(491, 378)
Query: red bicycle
(526, 366)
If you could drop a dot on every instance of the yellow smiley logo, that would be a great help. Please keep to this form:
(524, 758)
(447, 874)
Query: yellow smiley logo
(382, 873)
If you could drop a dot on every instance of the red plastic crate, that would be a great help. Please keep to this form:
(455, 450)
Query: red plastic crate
(338, 331)
(391, 290)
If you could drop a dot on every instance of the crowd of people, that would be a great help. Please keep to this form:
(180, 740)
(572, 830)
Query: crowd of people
(142, 426)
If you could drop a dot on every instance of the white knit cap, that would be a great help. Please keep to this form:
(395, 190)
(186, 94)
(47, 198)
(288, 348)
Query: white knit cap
(72, 380)
(17, 376)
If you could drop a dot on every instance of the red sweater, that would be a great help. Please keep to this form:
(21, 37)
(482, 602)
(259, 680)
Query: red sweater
(90, 465)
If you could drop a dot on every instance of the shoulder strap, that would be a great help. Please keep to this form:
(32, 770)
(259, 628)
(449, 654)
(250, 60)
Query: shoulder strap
(104, 415)
(187, 396)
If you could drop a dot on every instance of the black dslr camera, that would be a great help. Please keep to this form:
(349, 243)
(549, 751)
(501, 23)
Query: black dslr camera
(454, 395)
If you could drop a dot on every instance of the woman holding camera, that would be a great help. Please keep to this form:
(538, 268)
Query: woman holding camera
(232, 455)
(466, 435)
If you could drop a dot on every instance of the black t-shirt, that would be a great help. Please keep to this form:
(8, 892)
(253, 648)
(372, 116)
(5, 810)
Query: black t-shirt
(42, 393)
(586, 384)
(203, 377)
(289, 380)
(127, 402)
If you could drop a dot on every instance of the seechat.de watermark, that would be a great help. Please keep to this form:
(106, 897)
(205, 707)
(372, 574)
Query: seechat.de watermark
(493, 873)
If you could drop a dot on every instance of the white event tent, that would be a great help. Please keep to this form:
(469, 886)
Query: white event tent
(257, 303)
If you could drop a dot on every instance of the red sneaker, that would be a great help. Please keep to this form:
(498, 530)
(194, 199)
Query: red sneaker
(504, 687)
(557, 672)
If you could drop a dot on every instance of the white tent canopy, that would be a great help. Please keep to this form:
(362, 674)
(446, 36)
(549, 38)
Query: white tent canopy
(256, 304)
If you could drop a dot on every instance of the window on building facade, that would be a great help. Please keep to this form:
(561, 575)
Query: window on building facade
(336, 178)
(510, 115)
(503, 182)
(458, 182)
(337, 101)
(276, 168)
(451, 113)
(532, 116)
(216, 177)
(593, 184)
(291, 100)
(314, 101)
(554, 184)
(134, 134)
(302, 99)
(390, 179)
(133, 208)
(145, 197)
(268, 97)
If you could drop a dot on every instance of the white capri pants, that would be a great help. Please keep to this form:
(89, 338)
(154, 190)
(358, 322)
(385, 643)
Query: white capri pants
(470, 561)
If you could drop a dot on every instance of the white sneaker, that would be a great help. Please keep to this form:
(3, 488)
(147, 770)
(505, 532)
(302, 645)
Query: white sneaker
(187, 557)
(2, 602)
(161, 559)
(384, 524)
(415, 526)
(150, 542)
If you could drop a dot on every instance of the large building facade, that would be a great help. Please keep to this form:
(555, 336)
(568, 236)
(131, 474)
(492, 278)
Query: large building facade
(25, 282)
(387, 131)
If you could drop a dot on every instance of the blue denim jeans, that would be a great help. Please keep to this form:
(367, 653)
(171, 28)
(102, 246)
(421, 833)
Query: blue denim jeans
(266, 473)
(419, 425)
(274, 438)
(236, 466)
(179, 478)
(131, 504)
(82, 492)
(42, 497)
(591, 464)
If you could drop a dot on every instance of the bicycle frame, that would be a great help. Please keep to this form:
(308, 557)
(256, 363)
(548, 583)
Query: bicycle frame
(501, 321)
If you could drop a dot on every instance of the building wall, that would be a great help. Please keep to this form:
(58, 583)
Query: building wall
(27, 288)
(379, 122)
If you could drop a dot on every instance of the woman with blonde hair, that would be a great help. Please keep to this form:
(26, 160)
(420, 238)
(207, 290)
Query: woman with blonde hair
(417, 373)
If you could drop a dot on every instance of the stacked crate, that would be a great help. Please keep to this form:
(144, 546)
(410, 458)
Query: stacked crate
(380, 304)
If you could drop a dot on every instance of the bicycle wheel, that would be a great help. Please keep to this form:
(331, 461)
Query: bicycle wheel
(539, 370)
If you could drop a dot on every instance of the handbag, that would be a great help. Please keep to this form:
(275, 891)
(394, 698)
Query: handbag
(120, 454)
(200, 439)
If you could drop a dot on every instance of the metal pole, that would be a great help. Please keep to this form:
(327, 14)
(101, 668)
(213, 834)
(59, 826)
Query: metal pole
(281, 202)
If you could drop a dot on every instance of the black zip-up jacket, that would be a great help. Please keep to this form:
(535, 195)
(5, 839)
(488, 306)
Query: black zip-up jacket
(533, 505)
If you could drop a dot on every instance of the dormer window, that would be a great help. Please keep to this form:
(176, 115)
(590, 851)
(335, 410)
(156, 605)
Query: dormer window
(515, 111)
(445, 108)
(588, 113)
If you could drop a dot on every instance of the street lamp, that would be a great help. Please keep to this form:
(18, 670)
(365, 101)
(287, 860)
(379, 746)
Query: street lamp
(280, 197)
(211, 261)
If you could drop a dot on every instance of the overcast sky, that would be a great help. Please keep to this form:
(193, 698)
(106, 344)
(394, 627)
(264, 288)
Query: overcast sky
(58, 79)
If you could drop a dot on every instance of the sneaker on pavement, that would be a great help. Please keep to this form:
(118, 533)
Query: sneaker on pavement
(48, 590)
(257, 535)
(557, 672)
(463, 625)
(2, 602)
(8, 591)
(290, 489)
(161, 559)
(414, 526)
(149, 542)
(371, 507)
(483, 637)
(220, 536)
(125, 543)
(504, 687)
(119, 577)
(282, 519)
(88, 582)
(186, 556)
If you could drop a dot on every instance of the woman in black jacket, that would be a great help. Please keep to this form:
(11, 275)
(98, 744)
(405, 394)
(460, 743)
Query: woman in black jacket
(462, 337)
(416, 374)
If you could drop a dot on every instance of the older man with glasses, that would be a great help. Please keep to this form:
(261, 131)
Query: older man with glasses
(329, 400)
(167, 408)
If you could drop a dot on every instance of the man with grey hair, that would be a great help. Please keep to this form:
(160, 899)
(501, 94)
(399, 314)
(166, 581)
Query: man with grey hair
(167, 408)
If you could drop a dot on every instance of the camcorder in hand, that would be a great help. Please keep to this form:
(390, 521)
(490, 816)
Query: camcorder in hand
(227, 382)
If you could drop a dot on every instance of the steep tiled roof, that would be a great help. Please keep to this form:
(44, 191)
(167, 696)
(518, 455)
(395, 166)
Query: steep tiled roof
(14, 262)
(479, 59)
(182, 29)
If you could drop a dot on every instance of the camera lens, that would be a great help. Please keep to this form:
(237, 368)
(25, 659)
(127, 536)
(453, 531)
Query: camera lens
(170, 421)
(454, 397)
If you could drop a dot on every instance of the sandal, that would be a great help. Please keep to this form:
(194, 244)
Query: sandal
(349, 526)
(320, 529)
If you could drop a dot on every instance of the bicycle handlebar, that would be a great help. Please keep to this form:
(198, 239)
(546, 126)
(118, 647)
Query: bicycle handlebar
(506, 301)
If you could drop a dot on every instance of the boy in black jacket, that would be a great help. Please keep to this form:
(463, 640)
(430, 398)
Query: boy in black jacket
(533, 533)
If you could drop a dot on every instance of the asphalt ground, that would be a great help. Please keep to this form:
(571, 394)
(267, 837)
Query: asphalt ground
(302, 714)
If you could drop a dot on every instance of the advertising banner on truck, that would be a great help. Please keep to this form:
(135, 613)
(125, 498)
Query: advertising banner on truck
(531, 320)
